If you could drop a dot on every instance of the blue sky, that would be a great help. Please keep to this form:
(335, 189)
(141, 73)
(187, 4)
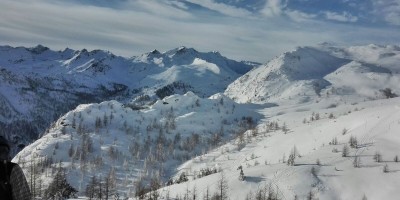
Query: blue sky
(255, 30)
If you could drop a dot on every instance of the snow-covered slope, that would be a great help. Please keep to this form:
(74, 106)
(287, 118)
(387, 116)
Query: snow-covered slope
(136, 145)
(311, 73)
(319, 167)
(37, 84)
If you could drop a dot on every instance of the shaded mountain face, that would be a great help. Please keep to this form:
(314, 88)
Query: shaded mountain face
(313, 73)
(37, 85)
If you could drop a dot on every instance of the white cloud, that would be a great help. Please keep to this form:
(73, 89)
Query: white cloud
(178, 4)
(274, 7)
(389, 10)
(156, 7)
(386, 11)
(299, 16)
(341, 17)
(393, 18)
(222, 8)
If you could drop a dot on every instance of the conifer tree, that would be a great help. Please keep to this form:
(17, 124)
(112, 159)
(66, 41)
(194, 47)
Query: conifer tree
(345, 151)
(91, 188)
(60, 187)
(386, 169)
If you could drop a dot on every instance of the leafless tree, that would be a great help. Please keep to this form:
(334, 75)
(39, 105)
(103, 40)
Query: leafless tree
(222, 186)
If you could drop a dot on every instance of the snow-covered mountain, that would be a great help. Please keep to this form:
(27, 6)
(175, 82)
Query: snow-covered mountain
(203, 73)
(313, 73)
(135, 145)
(37, 84)
(324, 126)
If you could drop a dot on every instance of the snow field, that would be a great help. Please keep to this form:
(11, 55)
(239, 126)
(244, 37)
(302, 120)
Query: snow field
(375, 125)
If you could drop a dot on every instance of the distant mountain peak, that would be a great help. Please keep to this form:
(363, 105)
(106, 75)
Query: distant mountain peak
(68, 50)
(182, 51)
(305, 63)
(38, 49)
(155, 52)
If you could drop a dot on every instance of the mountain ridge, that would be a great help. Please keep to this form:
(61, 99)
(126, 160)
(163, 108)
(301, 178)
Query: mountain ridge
(303, 72)
(42, 84)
